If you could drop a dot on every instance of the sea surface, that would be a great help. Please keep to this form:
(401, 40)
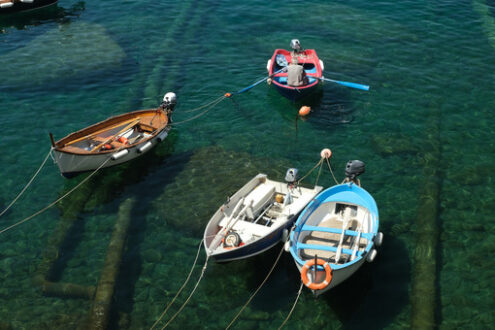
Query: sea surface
(425, 131)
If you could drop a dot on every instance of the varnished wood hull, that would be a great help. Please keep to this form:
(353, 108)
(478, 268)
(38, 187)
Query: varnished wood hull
(80, 152)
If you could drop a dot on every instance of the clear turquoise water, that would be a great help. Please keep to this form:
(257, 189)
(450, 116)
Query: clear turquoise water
(429, 111)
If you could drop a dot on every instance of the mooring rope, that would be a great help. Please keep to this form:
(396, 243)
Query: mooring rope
(330, 168)
(28, 184)
(203, 106)
(211, 106)
(181, 288)
(293, 307)
(58, 200)
(256, 291)
(311, 170)
(190, 295)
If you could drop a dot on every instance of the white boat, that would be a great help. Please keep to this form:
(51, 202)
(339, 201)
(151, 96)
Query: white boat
(113, 141)
(256, 217)
(337, 231)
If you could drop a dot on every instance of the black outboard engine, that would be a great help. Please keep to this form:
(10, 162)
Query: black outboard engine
(353, 169)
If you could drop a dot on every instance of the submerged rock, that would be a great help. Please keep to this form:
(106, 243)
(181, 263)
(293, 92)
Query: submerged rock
(72, 51)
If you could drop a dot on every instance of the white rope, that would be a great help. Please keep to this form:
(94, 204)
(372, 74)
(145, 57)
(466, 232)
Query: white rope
(203, 106)
(293, 307)
(58, 200)
(255, 292)
(330, 168)
(211, 105)
(188, 298)
(181, 288)
(28, 184)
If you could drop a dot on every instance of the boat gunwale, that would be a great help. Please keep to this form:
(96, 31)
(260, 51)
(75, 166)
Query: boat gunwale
(61, 144)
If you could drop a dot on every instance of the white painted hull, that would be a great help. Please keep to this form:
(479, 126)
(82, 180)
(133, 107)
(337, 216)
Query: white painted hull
(338, 275)
(71, 164)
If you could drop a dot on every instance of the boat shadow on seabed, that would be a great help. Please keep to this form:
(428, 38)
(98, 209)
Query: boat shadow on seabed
(377, 292)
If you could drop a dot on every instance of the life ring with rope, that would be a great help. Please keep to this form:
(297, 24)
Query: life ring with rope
(308, 282)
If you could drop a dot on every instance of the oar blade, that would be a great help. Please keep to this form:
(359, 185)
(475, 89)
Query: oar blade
(349, 84)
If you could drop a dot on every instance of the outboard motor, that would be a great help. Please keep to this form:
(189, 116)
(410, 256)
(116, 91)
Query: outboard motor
(353, 169)
(291, 175)
(169, 101)
(295, 45)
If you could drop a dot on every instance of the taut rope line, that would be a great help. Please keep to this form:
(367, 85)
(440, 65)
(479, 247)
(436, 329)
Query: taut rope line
(255, 292)
(181, 288)
(330, 168)
(211, 105)
(190, 295)
(293, 306)
(58, 200)
(28, 184)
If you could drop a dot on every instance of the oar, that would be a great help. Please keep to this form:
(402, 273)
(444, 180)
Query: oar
(258, 82)
(115, 135)
(345, 83)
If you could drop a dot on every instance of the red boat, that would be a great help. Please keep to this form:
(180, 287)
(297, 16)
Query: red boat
(278, 65)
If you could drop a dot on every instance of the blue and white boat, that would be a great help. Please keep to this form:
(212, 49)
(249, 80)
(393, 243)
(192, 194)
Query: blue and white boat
(338, 231)
(256, 217)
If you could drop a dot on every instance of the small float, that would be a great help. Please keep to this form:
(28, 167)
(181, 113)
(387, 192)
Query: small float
(256, 217)
(280, 71)
(14, 6)
(336, 233)
(113, 141)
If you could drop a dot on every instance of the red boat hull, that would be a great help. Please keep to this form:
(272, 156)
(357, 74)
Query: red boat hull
(312, 67)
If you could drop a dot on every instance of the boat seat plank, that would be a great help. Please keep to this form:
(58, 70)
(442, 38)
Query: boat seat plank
(302, 246)
(368, 236)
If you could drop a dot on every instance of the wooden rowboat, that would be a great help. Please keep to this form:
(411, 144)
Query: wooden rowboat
(307, 58)
(336, 233)
(113, 141)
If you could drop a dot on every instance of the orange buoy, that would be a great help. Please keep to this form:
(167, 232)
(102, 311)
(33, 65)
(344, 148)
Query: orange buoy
(107, 146)
(123, 140)
(308, 282)
(304, 111)
(227, 94)
(326, 153)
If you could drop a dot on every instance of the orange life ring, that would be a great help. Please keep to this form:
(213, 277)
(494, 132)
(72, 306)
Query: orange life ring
(307, 281)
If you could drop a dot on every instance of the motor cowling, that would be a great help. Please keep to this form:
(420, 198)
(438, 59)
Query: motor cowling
(353, 169)
(169, 101)
(291, 175)
(295, 45)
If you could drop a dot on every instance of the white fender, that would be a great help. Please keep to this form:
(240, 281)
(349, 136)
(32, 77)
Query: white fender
(144, 147)
(268, 65)
(378, 239)
(162, 136)
(287, 246)
(120, 154)
(6, 4)
(322, 65)
(27, 1)
(371, 255)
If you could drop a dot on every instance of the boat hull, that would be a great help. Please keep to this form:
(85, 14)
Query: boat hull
(313, 69)
(19, 6)
(339, 227)
(71, 164)
(256, 233)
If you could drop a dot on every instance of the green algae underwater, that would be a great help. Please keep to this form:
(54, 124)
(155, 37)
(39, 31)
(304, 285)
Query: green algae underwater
(424, 130)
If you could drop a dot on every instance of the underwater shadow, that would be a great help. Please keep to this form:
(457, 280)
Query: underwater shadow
(377, 292)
